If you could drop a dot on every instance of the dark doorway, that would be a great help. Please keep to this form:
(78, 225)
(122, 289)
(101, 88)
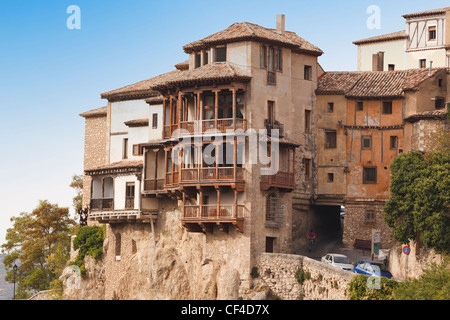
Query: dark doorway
(269, 244)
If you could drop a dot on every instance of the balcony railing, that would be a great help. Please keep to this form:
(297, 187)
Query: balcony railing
(129, 203)
(279, 180)
(213, 212)
(211, 174)
(202, 126)
(102, 204)
(172, 178)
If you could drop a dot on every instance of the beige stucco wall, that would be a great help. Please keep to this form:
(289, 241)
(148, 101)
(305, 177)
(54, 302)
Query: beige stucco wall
(394, 53)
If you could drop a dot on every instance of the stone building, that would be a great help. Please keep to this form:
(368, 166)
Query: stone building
(425, 41)
(185, 181)
(365, 119)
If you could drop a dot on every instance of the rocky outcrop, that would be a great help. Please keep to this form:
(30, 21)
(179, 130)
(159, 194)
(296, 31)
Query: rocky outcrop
(168, 263)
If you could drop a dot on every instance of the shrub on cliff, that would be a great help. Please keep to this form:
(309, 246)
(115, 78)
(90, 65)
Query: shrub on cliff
(358, 289)
(89, 241)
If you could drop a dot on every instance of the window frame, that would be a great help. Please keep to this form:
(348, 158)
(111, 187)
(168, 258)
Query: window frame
(330, 107)
(366, 138)
(329, 145)
(224, 48)
(125, 148)
(387, 103)
(307, 72)
(395, 140)
(330, 177)
(139, 150)
(154, 121)
(364, 175)
(308, 164)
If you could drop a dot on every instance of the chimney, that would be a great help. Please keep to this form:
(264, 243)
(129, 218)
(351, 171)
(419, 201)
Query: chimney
(281, 28)
(378, 61)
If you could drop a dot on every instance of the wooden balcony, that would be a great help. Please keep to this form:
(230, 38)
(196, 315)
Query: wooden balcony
(202, 126)
(202, 218)
(212, 174)
(102, 204)
(151, 185)
(121, 216)
(281, 180)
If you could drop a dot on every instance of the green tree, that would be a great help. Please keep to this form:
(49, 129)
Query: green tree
(39, 243)
(419, 203)
(77, 184)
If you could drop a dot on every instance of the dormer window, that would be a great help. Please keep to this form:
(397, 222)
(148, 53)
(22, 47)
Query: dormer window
(220, 54)
(198, 60)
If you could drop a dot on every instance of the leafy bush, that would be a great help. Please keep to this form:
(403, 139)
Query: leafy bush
(433, 284)
(358, 289)
(301, 276)
(89, 241)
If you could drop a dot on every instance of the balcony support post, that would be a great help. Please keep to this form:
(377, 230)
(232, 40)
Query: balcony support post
(218, 203)
(234, 108)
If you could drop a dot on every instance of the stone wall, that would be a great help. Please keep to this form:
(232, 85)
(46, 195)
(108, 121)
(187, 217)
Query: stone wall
(361, 217)
(278, 273)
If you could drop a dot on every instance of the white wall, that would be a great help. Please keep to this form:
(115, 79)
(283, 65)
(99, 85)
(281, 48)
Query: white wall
(120, 184)
(394, 53)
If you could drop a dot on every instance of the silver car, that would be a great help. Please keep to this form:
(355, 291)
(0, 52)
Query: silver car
(337, 260)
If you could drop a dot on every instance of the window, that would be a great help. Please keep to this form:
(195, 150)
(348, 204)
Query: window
(387, 107)
(198, 60)
(271, 112)
(221, 54)
(330, 177)
(118, 246)
(422, 63)
(370, 216)
(205, 58)
(330, 107)
(307, 120)
(274, 211)
(129, 195)
(271, 59)
(391, 67)
(366, 142)
(439, 103)
(278, 59)
(307, 168)
(359, 105)
(155, 121)
(370, 175)
(432, 33)
(308, 73)
(125, 149)
(263, 56)
(137, 150)
(440, 83)
(330, 139)
(394, 142)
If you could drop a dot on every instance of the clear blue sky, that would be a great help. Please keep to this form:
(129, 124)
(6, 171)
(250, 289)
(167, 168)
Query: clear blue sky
(50, 74)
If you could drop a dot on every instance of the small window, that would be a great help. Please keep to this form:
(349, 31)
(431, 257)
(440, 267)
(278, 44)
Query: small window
(155, 121)
(330, 107)
(137, 150)
(370, 175)
(118, 245)
(394, 142)
(125, 149)
(330, 139)
(198, 60)
(307, 120)
(271, 59)
(308, 73)
(422, 63)
(330, 177)
(271, 112)
(205, 58)
(360, 106)
(432, 33)
(440, 83)
(278, 59)
(263, 56)
(221, 54)
(439, 103)
(307, 168)
(366, 142)
(387, 107)
(391, 67)
(370, 216)
(269, 244)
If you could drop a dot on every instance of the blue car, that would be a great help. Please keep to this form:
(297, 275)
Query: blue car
(371, 268)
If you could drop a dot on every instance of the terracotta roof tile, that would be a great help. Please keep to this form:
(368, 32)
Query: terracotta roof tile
(374, 85)
(100, 112)
(140, 89)
(399, 35)
(428, 115)
(210, 73)
(426, 13)
(126, 165)
(137, 123)
(245, 31)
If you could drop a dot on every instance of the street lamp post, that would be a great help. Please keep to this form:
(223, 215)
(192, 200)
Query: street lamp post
(15, 270)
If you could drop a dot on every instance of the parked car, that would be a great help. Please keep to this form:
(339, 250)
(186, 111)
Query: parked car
(371, 268)
(338, 261)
